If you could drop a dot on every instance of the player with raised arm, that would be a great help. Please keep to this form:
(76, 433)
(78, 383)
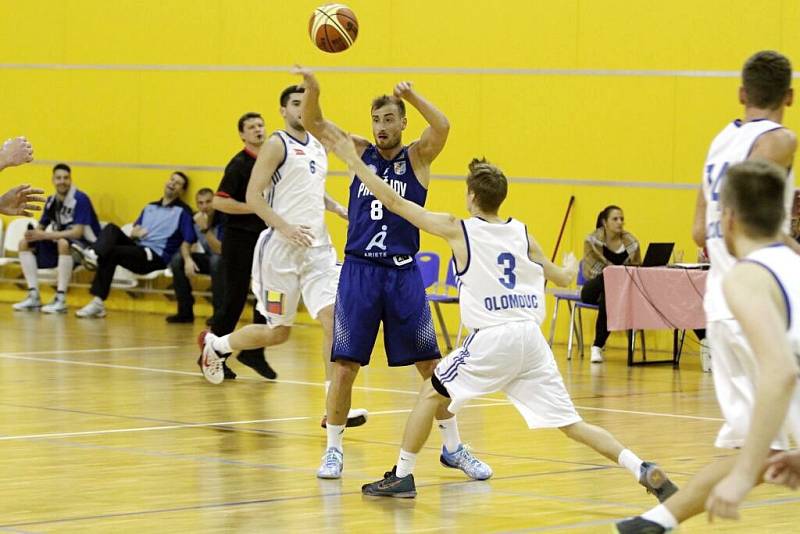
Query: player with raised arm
(380, 281)
(294, 256)
(501, 273)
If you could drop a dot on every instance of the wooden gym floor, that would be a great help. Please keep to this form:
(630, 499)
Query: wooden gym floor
(107, 425)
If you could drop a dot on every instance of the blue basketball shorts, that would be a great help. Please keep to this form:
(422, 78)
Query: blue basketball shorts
(369, 294)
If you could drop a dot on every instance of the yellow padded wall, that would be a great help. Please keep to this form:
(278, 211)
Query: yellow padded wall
(565, 96)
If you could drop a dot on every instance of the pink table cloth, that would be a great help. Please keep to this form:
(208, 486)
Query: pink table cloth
(649, 298)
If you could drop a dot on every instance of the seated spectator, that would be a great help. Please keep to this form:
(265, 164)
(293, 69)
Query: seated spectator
(208, 227)
(609, 244)
(162, 228)
(71, 218)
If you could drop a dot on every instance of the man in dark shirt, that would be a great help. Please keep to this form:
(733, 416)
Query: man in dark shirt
(241, 230)
(162, 228)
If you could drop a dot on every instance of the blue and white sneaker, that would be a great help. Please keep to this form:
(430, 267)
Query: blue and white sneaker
(463, 459)
(332, 464)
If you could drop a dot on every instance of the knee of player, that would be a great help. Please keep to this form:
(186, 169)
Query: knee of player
(23, 245)
(344, 371)
(571, 431)
(426, 367)
(282, 334)
(63, 247)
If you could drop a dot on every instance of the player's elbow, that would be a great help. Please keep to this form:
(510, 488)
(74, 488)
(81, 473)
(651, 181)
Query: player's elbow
(699, 236)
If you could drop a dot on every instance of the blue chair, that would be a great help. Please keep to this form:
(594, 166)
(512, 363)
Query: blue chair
(428, 263)
(572, 297)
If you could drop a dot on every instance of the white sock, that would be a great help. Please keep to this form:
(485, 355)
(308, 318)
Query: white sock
(335, 434)
(222, 344)
(405, 463)
(631, 462)
(449, 430)
(99, 302)
(65, 264)
(661, 515)
(29, 267)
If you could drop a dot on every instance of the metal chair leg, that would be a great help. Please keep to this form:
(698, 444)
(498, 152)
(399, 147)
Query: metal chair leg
(579, 330)
(571, 329)
(644, 347)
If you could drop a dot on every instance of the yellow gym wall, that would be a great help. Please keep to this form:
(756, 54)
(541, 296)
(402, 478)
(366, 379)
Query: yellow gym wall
(568, 97)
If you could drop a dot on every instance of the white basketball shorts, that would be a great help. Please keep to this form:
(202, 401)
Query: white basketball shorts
(283, 272)
(513, 358)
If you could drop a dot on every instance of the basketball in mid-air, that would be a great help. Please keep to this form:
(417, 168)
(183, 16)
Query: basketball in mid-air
(333, 27)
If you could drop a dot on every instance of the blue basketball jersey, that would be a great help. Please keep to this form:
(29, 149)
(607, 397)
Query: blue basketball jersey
(374, 233)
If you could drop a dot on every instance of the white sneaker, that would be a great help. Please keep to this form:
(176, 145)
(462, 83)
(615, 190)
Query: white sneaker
(332, 464)
(31, 302)
(597, 354)
(210, 362)
(95, 308)
(59, 305)
(86, 256)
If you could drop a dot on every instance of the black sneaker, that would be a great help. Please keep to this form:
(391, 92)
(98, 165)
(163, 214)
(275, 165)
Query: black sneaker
(392, 486)
(229, 374)
(258, 363)
(178, 318)
(639, 525)
(655, 480)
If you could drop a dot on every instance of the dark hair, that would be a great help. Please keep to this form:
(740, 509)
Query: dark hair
(605, 214)
(246, 117)
(205, 191)
(62, 167)
(185, 179)
(754, 190)
(766, 77)
(286, 93)
(488, 183)
(385, 100)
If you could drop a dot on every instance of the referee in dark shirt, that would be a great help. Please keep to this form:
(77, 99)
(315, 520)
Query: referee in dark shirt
(241, 230)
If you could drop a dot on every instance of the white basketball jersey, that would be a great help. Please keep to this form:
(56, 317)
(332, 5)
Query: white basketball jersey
(784, 264)
(298, 185)
(500, 283)
(732, 145)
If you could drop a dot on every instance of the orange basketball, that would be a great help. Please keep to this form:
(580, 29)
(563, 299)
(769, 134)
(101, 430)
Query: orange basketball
(333, 27)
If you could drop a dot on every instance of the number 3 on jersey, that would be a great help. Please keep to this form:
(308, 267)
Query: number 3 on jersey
(508, 262)
(376, 210)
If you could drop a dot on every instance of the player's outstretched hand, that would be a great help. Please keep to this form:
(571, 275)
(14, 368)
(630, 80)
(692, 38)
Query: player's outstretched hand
(309, 80)
(340, 144)
(20, 200)
(297, 234)
(403, 90)
(16, 151)
(784, 468)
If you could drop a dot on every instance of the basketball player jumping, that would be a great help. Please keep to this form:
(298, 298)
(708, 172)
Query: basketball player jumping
(294, 256)
(765, 93)
(380, 281)
(501, 273)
